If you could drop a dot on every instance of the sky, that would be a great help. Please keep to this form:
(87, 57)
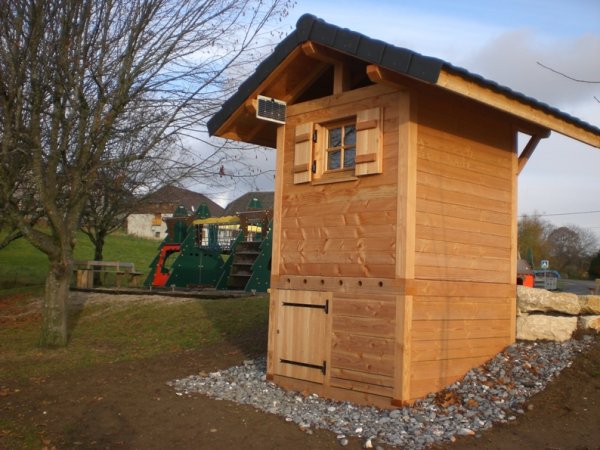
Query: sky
(504, 41)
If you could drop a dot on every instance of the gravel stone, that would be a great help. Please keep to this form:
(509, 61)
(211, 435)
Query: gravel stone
(496, 392)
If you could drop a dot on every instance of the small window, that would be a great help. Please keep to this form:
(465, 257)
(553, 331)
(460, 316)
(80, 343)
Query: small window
(157, 220)
(340, 152)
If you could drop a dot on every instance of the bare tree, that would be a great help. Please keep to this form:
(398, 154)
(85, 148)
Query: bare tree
(79, 77)
(532, 238)
(571, 249)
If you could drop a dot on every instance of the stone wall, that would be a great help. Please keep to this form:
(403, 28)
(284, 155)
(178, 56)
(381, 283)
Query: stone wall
(542, 314)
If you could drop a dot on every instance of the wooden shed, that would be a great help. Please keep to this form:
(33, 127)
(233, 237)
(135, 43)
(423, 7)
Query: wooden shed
(395, 216)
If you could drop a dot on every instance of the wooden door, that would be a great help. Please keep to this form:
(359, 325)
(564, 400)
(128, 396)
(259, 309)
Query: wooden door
(302, 335)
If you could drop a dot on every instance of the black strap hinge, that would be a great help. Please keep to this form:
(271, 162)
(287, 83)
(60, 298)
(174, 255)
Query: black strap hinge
(324, 307)
(322, 368)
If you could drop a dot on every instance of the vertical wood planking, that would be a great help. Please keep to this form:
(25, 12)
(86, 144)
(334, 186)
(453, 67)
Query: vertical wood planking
(405, 243)
(278, 202)
(369, 142)
(514, 234)
(301, 334)
(273, 315)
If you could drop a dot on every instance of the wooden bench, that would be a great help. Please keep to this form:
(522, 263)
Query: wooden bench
(84, 273)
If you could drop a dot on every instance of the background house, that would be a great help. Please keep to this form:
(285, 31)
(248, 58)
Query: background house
(147, 220)
(240, 204)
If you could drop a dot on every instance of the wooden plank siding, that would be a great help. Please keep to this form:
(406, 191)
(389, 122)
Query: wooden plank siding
(362, 343)
(345, 228)
(418, 259)
(464, 208)
(463, 292)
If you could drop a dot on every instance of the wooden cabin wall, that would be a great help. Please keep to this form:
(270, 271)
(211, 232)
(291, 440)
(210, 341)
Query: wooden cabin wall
(340, 239)
(343, 229)
(415, 300)
(465, 234)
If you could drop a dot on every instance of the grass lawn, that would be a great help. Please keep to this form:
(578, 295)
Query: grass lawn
(23, 268)
(122, 330)
(108, 331)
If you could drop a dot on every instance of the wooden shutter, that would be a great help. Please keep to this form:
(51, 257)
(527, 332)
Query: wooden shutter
(303, 153)
(369, 149)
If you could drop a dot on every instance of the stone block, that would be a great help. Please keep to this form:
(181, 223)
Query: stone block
(589, 304)
(541, 300)
(589, 322)
(539, 326)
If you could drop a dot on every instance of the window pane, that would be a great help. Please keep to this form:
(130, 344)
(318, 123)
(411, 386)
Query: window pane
(349, 156)
(349, 135)
(333, 160)
(335, 137)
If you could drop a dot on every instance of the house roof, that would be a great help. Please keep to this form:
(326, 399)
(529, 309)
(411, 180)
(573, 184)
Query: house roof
(240, 204)
(167, 198)
(400, 61)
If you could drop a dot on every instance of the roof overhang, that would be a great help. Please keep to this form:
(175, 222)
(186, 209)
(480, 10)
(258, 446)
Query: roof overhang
(314, 46)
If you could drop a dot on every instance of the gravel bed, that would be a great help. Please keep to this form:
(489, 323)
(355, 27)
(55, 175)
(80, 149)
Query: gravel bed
(493, 393)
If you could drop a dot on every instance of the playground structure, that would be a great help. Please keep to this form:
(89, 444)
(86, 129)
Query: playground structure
(224, 253)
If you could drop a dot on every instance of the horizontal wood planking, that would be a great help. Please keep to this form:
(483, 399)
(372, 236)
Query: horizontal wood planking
(459, 249)
(482, 193)
(335, 219)
(457, 348)
(432, 376)
(363, 362)
(423, 370)
(354, 385)
(461, 237)
(357, 346)
(299, 209)
(339, 270)
(464, 150)
(366, 326)
(453, 223)
(346, 99)
(443, 260)
(437, 194)
(476, 178)
(341, 192)
(341, 232)
(368, 378)
(380, 306)
(460, 309)
(460, 274)
(342, 394)
(361, 257)
(445, 288)
(435, 330)
(359, 286)
(460, 159)
(347, 342)
(332, 244)
(463, 212)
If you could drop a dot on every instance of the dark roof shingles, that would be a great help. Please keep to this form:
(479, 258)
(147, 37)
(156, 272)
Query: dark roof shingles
(397, 59)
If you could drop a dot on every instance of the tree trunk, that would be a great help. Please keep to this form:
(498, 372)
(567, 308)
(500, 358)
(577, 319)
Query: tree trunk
(55, 306)
(98, 249)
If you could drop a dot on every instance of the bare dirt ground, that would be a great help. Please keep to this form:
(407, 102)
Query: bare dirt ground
(128, 406)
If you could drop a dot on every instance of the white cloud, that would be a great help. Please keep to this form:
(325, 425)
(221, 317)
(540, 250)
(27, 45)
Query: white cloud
(511, 60)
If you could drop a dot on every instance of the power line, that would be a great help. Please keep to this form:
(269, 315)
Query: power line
(561, 214)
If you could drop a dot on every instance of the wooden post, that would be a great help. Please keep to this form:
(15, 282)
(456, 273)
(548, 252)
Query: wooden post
(405, 245)
(527, 152)
(276, 249)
